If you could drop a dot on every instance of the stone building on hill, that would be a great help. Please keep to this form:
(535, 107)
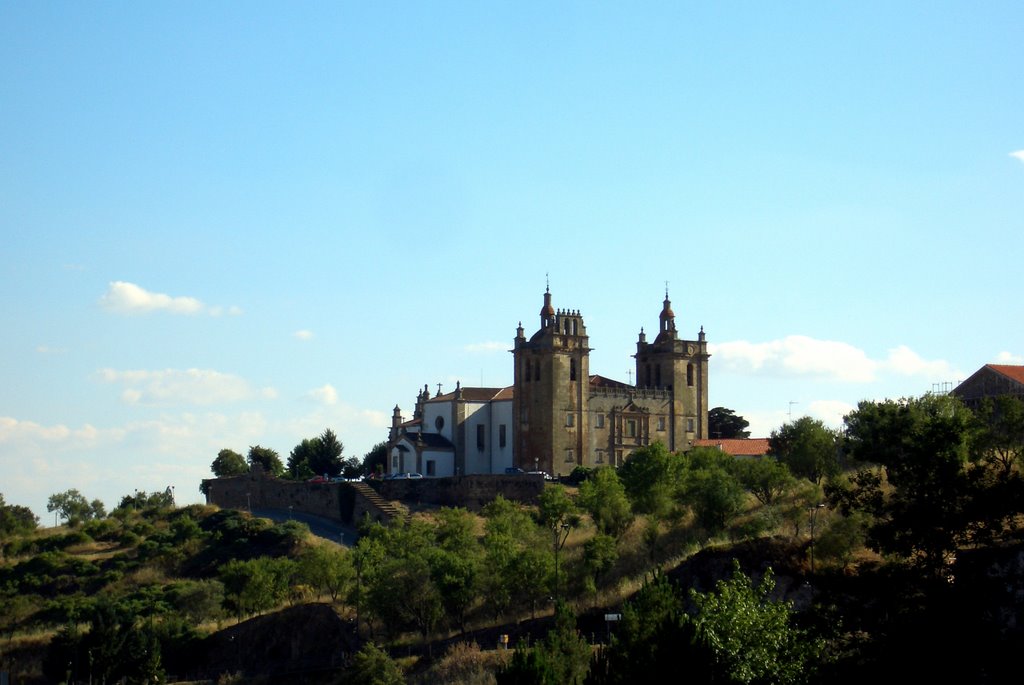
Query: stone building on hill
(989, 381)
(557, 415)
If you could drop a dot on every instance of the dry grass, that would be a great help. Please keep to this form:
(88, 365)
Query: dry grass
(94, 550)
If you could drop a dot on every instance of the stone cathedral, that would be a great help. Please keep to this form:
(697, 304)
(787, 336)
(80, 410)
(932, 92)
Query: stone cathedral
(557, 415)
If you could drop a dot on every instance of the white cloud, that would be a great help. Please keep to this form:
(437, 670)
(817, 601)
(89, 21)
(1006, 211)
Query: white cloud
(128, 298)
(1019, 154)
(1009, 357)
(487, 347)
(796, 355)
(324, 395)
(303, 335)
(46, 350)
(191, 386)
(802, 356)
(831, 412)
(905, 362)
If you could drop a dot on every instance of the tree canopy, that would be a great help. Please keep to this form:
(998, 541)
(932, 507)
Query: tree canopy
(229, 463)
(319, 456)
(267, 459)
(74, 508)
(928, 498)
(724, 423)
(807, 447)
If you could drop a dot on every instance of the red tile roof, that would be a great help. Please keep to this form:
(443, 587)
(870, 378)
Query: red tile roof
(1013, 372)
(602, 382)
(737, 447)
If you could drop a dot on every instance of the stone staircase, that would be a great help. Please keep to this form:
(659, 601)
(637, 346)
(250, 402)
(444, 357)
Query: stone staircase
(386, 508)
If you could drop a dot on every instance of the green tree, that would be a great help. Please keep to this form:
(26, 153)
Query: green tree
(599, 556)
(714, 495)
(844, 536)
(456, 563)
(726, 424)
(648, 642)
(766, 478)
(603, 496)
(375, 461)
(807, 447)
(517, 558)
(16, 519)
(651, 477)
(999, 436)
(562, 658)
(117, 647)
(373, 666)
(326, 459)
(396, 572)
(326, 568)
(751, 636)
(74, 508)
(267, 459)
(256, 585)
(299, 460)
(229, 463)
(921, 445)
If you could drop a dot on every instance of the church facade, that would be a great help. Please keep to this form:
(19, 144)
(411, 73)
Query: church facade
(557, 415)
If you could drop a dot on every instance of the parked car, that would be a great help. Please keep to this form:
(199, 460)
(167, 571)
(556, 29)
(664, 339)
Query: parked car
(545, 474)
(513, 471)
(404, 476)
(318, 479)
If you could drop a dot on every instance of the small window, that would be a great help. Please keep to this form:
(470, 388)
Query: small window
(431, 467)
(569, 456)
(599, 421)
(439, 423)
(657, 376)
(661, 423)
(570, 420)
(689, 374)
(394, 461)
(481, 430)
(631, 428)
(501, 436)
(689, 425)
(599, 459)
(572, 369)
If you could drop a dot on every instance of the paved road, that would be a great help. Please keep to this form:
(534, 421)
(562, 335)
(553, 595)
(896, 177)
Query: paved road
(319, 526)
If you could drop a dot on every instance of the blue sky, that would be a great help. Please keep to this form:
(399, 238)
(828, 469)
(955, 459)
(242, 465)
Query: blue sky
(229, 224)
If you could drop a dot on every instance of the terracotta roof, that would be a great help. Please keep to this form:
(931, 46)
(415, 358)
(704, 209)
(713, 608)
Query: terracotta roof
(1015, 373)
(602, 382)
(737, 447)
(476, 395)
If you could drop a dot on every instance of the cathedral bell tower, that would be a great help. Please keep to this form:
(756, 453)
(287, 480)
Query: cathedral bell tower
(679, 368)
(552, 371)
